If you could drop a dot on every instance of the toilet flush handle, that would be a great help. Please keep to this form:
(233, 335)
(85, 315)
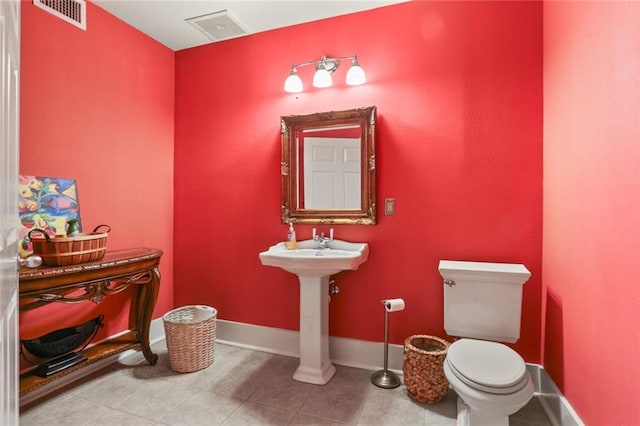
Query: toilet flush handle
(450, 283)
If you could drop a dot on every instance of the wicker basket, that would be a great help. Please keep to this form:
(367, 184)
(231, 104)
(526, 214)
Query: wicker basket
(422, 368)
(65, 251)
(191, 337)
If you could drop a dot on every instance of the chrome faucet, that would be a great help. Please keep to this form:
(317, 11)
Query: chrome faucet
(323, 242)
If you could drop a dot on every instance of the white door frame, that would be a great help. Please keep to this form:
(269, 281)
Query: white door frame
(9, 145)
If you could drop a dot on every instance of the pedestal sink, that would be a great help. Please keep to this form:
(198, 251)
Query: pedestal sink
(314, 267)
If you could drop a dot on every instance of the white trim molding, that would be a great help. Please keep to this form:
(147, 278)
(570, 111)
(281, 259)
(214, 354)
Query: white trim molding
(555, 405)
(370, 356)
(343, 351)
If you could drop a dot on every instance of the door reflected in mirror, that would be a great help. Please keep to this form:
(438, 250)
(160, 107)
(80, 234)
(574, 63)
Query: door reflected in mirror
(329, 167)
(330, 162)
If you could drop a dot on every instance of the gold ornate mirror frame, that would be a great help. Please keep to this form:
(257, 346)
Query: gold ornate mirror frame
(292, 126)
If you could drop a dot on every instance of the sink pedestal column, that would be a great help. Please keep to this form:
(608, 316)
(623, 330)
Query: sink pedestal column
(315, 366)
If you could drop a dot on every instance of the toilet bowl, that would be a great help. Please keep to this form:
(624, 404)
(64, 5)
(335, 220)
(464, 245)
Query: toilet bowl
(491, 381)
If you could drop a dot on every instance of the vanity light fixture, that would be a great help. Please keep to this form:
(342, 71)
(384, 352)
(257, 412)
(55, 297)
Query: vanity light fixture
(325, 66)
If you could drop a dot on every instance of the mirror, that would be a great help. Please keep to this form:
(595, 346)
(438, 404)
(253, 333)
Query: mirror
(328, 167)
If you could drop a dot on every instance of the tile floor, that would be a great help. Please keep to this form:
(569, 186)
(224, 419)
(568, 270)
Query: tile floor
(241, 387)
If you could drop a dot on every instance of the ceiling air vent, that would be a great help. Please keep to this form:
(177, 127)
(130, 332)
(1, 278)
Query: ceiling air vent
(218, 26)
(72, 11)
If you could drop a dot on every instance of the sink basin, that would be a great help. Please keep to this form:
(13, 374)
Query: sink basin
(314, 267)
(309, 261)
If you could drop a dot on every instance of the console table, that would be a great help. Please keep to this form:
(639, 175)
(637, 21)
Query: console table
(94, 281)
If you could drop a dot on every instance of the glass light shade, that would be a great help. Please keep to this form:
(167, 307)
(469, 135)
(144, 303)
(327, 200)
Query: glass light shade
(356, 75)
(293, 83)
(322, 78)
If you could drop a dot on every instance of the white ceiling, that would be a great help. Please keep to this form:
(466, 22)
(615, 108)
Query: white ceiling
(164, 20)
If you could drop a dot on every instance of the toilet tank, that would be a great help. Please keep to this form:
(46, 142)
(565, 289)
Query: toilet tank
(483, 300)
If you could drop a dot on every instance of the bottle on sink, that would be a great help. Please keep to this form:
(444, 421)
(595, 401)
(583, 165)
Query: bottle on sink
(291, 238)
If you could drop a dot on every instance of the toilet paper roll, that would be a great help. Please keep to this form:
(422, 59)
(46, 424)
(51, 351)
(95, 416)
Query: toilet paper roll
(394, 305)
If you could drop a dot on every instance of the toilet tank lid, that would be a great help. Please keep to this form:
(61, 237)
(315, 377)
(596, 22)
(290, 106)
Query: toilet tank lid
(463, 269)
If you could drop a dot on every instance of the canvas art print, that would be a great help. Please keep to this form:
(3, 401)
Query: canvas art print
(46, 203)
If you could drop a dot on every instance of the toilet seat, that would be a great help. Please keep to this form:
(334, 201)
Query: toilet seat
(487, 366)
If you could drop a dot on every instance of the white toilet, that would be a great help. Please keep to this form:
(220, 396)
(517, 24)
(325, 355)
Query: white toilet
(482, 306)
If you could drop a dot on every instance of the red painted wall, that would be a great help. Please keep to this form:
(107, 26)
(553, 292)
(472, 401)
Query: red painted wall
(98, 106)
(458, 88)
(592, 206)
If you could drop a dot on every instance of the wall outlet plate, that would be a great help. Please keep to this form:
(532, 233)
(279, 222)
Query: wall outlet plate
(389, 206)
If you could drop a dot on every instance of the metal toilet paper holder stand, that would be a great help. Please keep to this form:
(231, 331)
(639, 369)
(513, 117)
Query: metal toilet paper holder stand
(384, 378)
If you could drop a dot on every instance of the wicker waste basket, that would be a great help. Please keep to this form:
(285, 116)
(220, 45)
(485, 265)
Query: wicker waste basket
(422, 368)
(191, 337)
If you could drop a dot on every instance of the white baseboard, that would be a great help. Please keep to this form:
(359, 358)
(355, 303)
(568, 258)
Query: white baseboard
(557, 407)
(343, 351)
(370, 356)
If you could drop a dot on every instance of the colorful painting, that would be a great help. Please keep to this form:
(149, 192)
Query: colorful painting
(48, 204)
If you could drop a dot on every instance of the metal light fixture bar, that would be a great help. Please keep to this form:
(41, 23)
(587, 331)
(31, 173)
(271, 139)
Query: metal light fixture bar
(325, 66)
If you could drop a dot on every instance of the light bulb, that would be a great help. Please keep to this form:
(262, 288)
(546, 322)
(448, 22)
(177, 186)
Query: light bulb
(322, 77)
(293, 83)
(356, 75)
